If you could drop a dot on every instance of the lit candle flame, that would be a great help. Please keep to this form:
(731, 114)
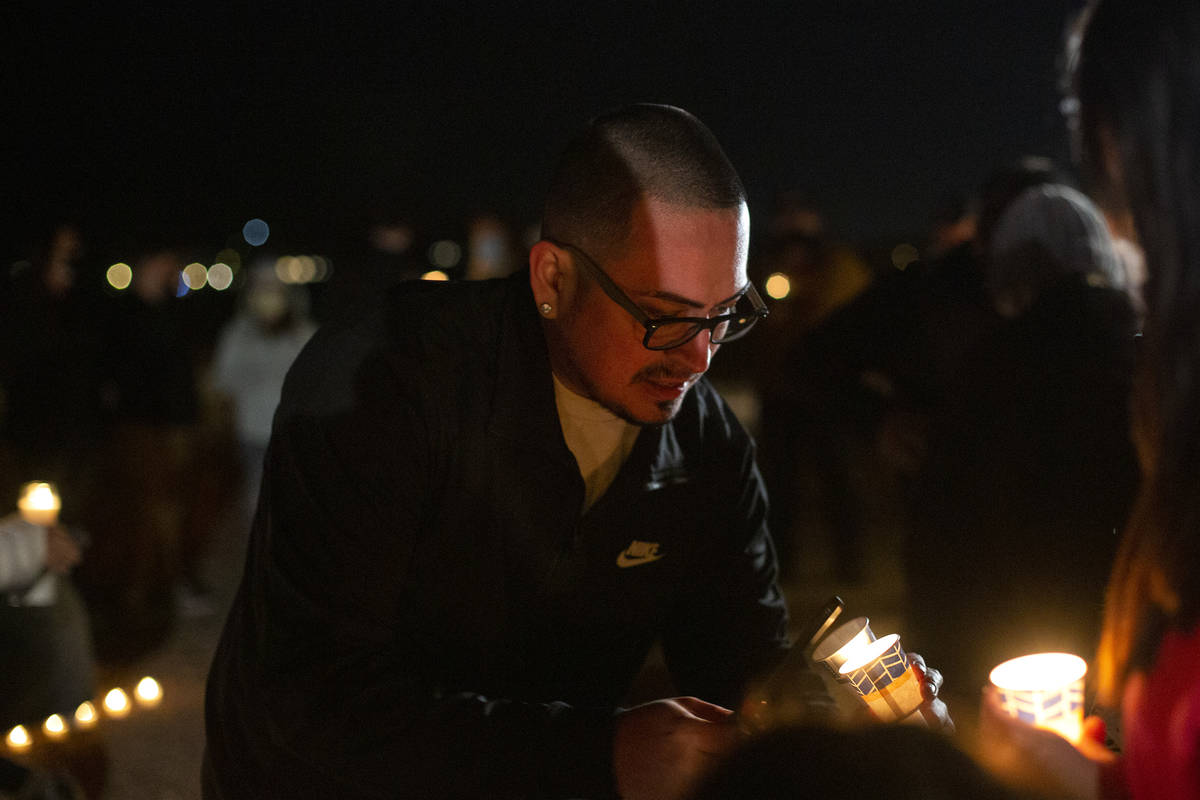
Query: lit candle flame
(39, 503)
(148, 692)
(85, 714)
(1044, 689)
(18, 738)
(55, 726)
(116, 703)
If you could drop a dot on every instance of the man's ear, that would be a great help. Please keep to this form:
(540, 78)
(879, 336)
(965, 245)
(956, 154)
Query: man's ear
(551, 277)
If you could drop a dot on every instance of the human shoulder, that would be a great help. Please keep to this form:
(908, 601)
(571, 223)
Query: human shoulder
(421, 334)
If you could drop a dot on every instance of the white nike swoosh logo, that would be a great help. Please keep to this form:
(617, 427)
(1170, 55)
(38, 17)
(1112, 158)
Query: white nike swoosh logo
(638, 553)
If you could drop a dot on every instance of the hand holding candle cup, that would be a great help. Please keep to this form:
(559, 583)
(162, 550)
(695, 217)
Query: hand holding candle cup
(886, 679)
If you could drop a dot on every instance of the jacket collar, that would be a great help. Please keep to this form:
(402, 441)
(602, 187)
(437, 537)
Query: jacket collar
(523, 407)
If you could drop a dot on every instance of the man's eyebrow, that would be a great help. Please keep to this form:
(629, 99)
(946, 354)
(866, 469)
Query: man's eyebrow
(684, 301)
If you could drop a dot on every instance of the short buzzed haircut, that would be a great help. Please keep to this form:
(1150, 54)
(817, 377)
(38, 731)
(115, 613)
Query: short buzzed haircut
(642, 150)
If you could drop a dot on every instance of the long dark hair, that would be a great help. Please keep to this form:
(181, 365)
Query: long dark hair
(1137, 83)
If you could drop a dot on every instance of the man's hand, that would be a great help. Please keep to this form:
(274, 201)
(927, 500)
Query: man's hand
(936, 715)
(661, 748)
(62, 553)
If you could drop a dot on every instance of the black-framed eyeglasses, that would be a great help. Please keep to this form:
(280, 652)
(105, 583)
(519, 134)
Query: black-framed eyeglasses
(665, 333)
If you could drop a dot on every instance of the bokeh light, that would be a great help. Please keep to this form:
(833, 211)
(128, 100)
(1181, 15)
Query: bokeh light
(116, 703)
(778, 286)
(256, 232)
(18, 738)
(195, 276)
(85, 714)
(220, 276)
(445, 254)
(229, 256)
(903, 255)
(435, 275)
(55, 726)
(148, 692)
(119, 276)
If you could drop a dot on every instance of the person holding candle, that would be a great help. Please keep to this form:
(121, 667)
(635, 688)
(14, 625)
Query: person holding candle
(46, 662)
(1137, 85)
(483, 503)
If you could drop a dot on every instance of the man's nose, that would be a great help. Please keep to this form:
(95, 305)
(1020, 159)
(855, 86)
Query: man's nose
(696, 352)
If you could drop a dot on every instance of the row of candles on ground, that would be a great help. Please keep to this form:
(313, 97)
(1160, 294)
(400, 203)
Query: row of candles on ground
(1043, 689)
(39, 504)
(116, 704)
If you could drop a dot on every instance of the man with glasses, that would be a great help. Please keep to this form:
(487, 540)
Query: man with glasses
(483, 505)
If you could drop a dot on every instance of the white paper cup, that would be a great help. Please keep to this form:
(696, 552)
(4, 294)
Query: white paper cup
(1044, 690)
(885, 679)
(843, 643)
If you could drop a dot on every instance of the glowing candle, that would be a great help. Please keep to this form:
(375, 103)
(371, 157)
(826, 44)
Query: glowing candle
(18, 738)
(85, 715)
(116, 703)
(39, 503)
(148, 692)
(1044, 690)
(885, 678)
(847, 642)
(55, 727)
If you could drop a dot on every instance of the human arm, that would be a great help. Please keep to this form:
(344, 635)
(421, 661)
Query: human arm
(1043, 761)
(353, 659)
(27, 551)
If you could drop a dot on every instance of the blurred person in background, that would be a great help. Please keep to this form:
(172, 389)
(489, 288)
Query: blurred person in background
(483, 504)
(253, 354)
(1031, 470)
(813, 432)
(51, 374)
(135, 565)
(1137, 84)
(47, 664)
(490, 249)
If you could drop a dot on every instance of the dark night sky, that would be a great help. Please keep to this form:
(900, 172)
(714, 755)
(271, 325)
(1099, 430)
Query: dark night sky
(184, 122)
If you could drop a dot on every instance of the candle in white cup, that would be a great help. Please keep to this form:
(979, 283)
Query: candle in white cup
(39, 503)
(1044, 690)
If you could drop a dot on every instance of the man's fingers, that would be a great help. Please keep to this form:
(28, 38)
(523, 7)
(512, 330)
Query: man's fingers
(709, 712)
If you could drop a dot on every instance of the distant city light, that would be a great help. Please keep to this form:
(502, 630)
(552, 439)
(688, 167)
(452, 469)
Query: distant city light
(778, 286)
(903, 255)
(322, 269)
(445, 254)
(195, 276)
(302, 269)
(256, 232)
(119, 276)
(231, 257)
(181, 287)
(435, 275)
(220, 276)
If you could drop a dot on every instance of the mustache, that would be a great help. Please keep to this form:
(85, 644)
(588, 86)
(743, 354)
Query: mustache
(665, 373)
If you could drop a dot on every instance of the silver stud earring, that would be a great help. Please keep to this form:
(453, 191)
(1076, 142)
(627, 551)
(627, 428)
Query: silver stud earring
(546, 309)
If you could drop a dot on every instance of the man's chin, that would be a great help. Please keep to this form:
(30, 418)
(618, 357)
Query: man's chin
(650, 414)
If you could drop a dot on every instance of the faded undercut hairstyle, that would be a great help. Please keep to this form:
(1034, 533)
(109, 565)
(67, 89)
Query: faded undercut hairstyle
(623, 155)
